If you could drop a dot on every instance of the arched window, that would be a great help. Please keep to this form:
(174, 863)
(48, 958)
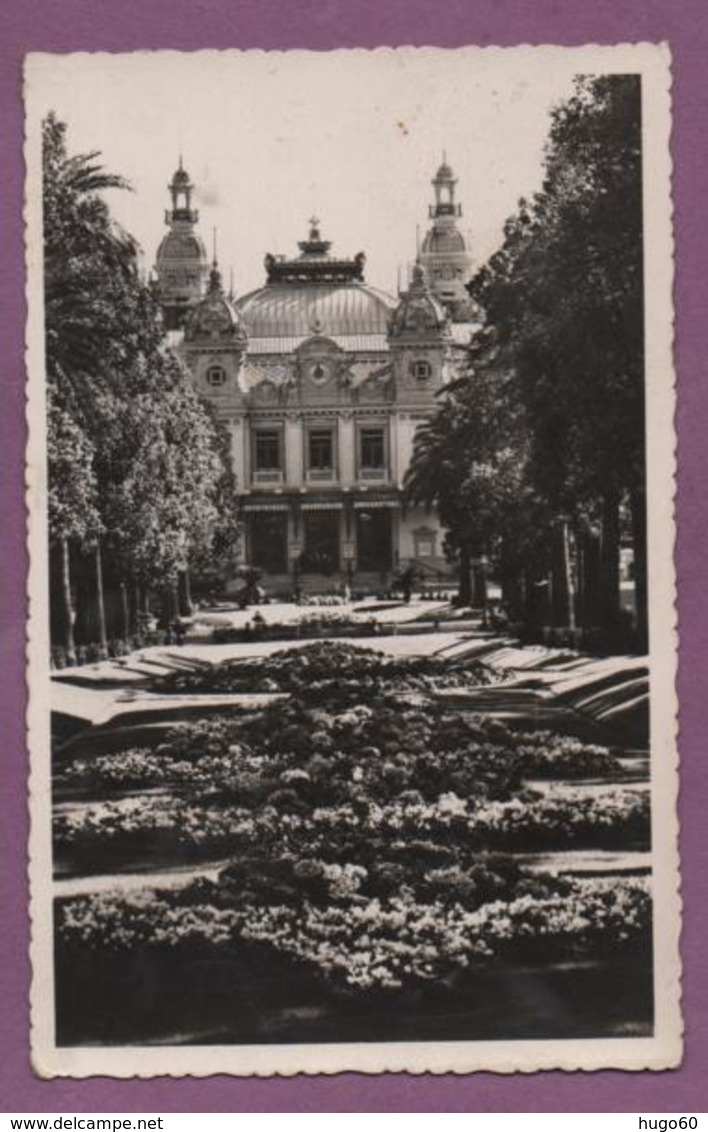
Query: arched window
(216, 375)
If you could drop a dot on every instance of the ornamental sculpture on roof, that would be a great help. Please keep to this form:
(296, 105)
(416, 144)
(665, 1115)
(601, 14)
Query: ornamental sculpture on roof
(315, 264)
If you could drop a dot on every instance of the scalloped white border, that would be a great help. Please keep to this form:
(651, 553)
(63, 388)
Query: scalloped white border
(664, 1049)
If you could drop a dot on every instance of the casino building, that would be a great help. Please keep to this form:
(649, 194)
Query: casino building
(322, 380)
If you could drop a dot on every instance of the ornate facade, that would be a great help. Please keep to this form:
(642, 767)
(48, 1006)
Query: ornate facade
(322, 381)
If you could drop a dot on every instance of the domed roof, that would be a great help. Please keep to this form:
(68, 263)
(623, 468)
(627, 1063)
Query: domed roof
(180, 177)
(444, 173)
(214, 316)
(299, 309)
(441, 241)
(418, 312)
(177, 245)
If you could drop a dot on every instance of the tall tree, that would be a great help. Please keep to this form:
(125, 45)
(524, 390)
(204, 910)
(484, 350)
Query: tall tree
(565, 294)
(132, 442)
(470, 461)
(72, 511)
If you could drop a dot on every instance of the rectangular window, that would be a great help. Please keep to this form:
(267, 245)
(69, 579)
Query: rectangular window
(267, 450)
(372, 450)
(320, 450)
(424, 545)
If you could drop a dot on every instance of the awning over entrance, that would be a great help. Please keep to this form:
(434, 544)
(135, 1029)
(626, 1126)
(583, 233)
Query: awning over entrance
(374, 501)
(251, 507)
(333, 505)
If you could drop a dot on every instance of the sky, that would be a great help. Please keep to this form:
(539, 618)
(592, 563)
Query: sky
(270, 138)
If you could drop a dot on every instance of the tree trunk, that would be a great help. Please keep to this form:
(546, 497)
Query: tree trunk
(186, 608)
(170, 605)
(590, 580)
(530, 614)
(610, 564)
(566, 539)
(113, 596)
(517, 596)
(513, 592)
(560, 571)
(464, 596)
(638, 504)
(99, 607)
(134, 608)
(124, 610)
(65, 619)
(479, 586)
(83, 597)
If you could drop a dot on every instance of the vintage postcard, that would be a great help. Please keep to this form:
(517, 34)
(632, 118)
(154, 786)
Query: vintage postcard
(350, 478)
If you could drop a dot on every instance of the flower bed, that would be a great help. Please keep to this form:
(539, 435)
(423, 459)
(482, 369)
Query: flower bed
(369, 945)
(373, 841)
(349, 831)
(346, 753)
(322, 667)
(352, 785)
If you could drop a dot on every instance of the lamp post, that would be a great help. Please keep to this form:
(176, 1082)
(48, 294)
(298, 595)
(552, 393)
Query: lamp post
(296, 554)
(479, 566)
(349, 555)
(483, 564)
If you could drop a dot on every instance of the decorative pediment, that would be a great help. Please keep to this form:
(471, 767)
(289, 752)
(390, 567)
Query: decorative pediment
(319, 362)
(319, 345)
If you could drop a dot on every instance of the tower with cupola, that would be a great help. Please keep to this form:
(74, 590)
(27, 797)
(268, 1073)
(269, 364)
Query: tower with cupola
(181, 264)
(444, 254)
(419, 342)
(420, 348)
(215, 342)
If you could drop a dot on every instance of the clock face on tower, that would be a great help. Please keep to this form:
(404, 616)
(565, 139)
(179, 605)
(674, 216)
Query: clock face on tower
(318, 372)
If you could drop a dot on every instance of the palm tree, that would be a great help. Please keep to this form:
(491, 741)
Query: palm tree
(86, 258)
(436, 476)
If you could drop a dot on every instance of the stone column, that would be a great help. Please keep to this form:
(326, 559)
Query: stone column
(394, 426)
(293, 451)
(346, 445)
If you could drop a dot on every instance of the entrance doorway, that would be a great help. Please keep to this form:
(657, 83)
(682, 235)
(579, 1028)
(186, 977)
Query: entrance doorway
(269, 541)
(321, 537)
(374, 543)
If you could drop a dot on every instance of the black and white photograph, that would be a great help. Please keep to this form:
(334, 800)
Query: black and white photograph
(350, 479)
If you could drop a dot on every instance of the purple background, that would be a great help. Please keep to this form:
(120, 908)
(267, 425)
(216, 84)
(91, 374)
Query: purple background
(125, 25)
